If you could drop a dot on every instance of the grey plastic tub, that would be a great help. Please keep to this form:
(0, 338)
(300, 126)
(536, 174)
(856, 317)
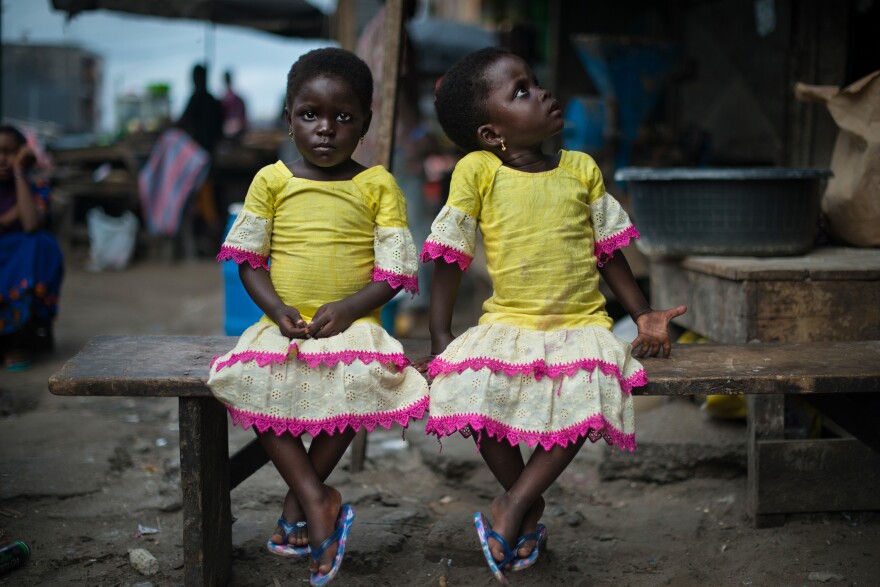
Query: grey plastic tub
(760, 211)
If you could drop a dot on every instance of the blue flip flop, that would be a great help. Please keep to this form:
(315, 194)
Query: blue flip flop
(539, 536)
(286, 549)
(340, 535)
(485, 532)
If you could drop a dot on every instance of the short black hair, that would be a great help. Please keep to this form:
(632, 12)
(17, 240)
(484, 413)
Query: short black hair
(462, 97)
(19, 137)
(332, 62)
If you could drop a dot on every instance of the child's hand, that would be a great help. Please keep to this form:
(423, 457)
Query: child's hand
(24, 159)
(291, 323)
(654, 332)
(331, 319)
(421, 365)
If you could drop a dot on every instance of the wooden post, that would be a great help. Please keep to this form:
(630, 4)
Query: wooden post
(390, 73)
(204, 479)
(766, 422)
(346, 24)
(385, 145)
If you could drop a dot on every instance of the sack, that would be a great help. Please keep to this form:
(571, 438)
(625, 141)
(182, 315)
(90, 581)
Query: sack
(852, 197)
(111, 239)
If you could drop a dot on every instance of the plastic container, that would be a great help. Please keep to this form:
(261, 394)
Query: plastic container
(761, 211)
(13, 556)
(240, 311)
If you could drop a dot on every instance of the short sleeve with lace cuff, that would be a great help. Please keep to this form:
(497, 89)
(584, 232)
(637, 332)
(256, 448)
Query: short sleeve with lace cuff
(453, 232)
(396, 260)
(452, 239)
(250, 238)
(612, 227)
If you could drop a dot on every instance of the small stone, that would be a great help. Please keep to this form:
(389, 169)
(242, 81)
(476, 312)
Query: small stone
(143, 561)
(605, 537)
(575, 519)
(825, 577)
(573, 568)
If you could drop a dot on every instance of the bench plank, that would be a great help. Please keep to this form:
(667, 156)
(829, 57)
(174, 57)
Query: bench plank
(177, 366)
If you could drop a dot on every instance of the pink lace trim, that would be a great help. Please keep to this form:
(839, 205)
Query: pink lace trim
(296, 426)
(433, 250)
(409, 283)
(594, 428)
(239, 256)
(604, 249)
(539, 369)
(314, 359)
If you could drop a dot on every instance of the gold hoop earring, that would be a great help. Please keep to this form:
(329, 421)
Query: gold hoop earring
(290, 136)
(503, 146)
(362, 138)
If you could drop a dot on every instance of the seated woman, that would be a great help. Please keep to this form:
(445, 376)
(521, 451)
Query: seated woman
(31, 264)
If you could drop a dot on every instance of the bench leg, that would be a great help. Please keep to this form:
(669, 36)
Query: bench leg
(766, 421)
(359, 451)
(204, 477)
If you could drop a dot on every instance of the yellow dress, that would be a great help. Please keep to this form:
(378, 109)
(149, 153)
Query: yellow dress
(320, 242)
(542, 365)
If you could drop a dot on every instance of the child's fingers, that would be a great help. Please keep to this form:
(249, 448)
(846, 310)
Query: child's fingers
(638, 346)
(675, 312)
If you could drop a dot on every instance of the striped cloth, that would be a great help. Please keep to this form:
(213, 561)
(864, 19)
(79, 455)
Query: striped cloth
(176, 169)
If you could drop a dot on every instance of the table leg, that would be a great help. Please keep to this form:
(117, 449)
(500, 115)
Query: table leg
(359, 451)
(766, 421)
(204, 478)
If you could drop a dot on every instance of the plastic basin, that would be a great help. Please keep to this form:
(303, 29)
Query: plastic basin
(759, 211)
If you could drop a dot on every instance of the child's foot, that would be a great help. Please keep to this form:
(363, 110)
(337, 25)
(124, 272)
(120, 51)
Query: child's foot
(530, 526)
(321, 516)
(507, 519)
(292, 514)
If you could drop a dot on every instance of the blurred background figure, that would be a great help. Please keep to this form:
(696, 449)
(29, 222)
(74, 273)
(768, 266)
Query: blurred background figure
(203, 121)
(203, 117)
(31, 263)
(234, 111)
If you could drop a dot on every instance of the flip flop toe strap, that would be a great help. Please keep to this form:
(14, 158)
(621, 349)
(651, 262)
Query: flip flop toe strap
(523, 539)
(289, 528)
(317, 552)
(509, 555)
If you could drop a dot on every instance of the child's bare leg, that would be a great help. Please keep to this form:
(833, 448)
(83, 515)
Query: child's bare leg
(509, 509)
(320, 503)
(325, 453)
(506, 463)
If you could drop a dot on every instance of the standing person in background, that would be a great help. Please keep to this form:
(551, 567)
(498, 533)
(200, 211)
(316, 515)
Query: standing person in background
(203, 116)
(234, 111)
(31, 264)
(411, 140)
(203, 121)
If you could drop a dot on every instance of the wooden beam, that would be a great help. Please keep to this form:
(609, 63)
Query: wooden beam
(346, 24)
(390, 74)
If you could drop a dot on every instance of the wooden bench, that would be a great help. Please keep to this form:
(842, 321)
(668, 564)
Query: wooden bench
(177, 366)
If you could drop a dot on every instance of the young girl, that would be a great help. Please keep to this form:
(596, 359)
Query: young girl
(31, 263)
(542, 366)
(322, 244)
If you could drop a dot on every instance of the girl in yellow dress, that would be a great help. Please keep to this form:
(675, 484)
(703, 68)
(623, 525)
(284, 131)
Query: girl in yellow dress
(542, 367)
(322, 243)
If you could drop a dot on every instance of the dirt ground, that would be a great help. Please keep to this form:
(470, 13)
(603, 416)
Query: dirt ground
(85, 480)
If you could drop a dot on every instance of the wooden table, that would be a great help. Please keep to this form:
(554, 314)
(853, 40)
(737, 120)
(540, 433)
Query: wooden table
(830, 294)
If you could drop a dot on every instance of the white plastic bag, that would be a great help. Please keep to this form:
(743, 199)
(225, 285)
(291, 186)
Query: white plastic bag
(111, 239)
